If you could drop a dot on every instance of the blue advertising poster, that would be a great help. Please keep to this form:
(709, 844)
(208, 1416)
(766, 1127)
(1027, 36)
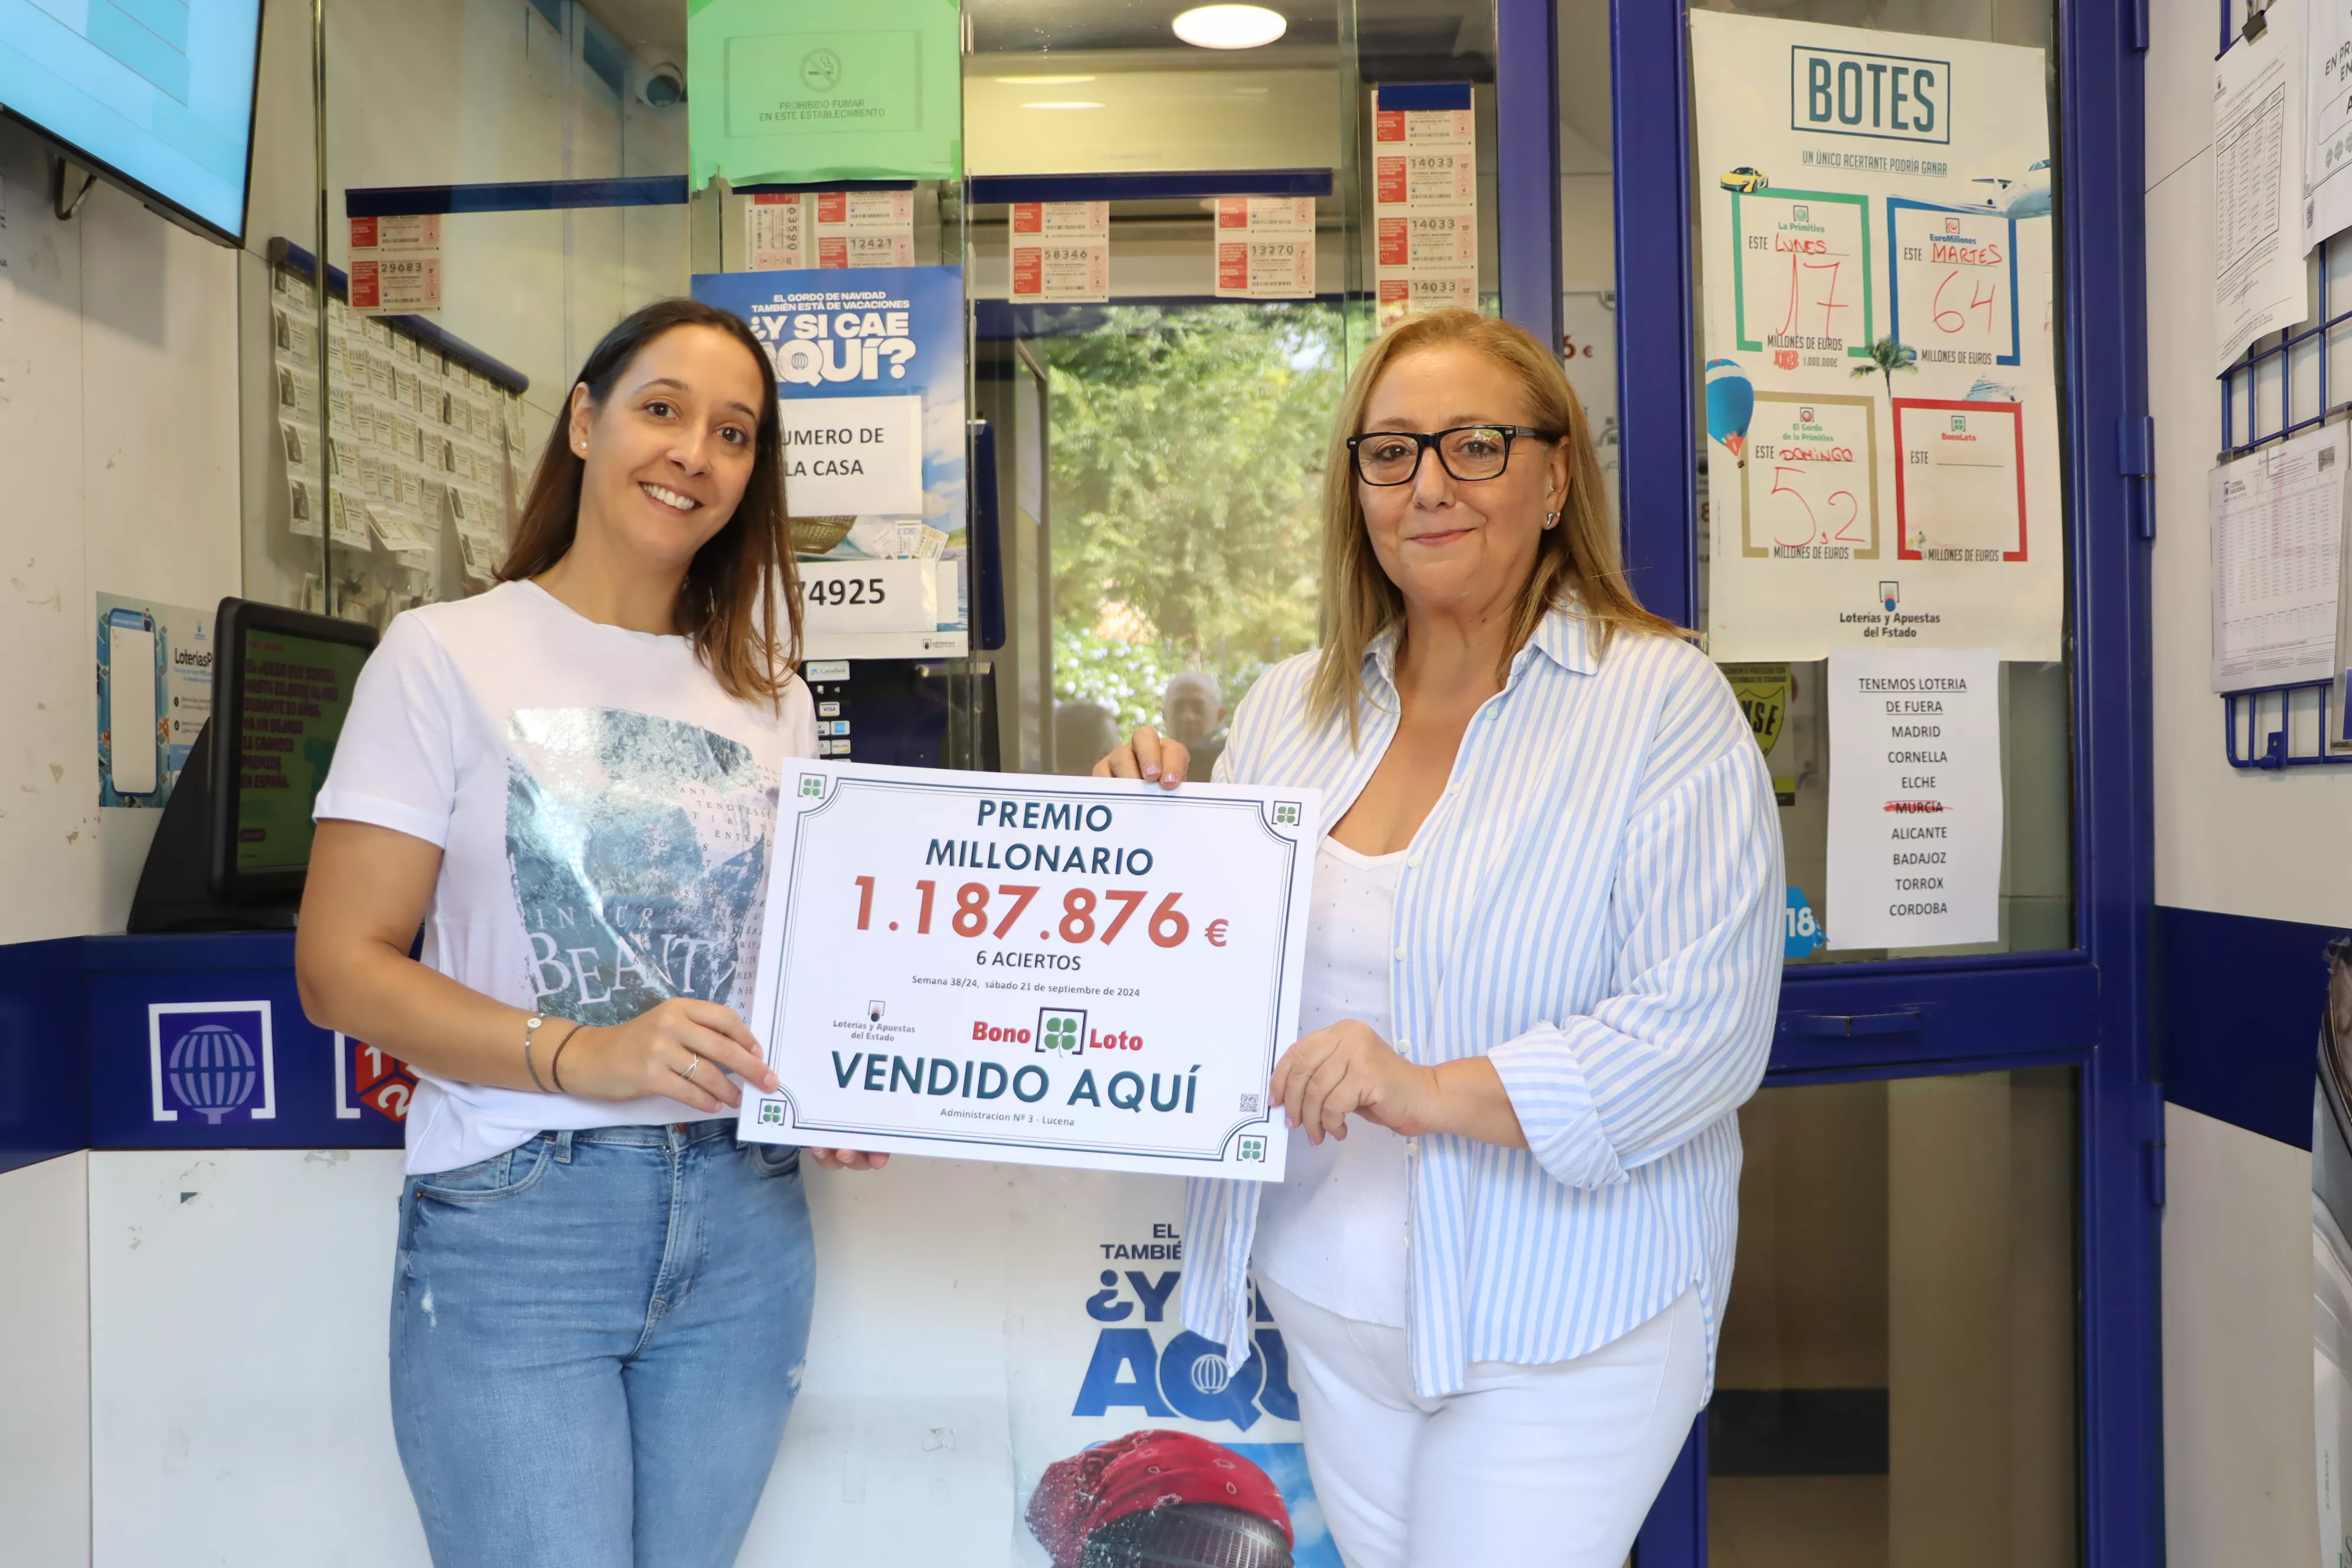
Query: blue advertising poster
(893, 336)
(154, 693)
(870, 366)
(1129, 1431)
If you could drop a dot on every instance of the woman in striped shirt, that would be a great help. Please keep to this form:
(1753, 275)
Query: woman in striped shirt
(1541, 970)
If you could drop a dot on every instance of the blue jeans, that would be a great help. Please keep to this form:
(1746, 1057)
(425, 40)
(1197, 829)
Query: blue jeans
(595, 1340)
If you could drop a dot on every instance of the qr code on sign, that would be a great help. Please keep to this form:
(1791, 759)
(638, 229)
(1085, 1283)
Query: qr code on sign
(1250, 1105)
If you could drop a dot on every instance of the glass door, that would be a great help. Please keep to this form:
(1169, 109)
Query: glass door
(1159, 431)
(1939, 1343)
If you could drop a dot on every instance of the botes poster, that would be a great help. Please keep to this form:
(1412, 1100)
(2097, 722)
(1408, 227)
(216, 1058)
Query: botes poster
(1876, 248)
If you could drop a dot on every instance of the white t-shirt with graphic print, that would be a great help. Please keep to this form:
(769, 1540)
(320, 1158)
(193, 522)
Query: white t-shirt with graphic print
(605, 812)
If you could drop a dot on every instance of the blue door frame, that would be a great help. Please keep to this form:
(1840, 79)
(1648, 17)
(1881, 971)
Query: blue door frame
(2086, 1008)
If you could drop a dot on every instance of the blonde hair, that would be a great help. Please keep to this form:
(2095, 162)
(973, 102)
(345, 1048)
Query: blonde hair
(1576, 563)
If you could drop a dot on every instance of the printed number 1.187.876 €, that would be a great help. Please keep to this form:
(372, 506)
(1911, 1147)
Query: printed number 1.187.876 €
(1168, 925)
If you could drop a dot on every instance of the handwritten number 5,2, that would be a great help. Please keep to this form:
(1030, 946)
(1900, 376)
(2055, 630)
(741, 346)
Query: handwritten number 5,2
(852, 591)
(1812, 524)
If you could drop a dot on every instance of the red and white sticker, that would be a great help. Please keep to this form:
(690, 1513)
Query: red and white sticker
(396, 264)
(1265, 248)
(1061, 251)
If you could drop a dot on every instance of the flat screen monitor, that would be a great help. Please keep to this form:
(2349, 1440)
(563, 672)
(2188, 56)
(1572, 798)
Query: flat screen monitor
(155, 94)
(281, 690)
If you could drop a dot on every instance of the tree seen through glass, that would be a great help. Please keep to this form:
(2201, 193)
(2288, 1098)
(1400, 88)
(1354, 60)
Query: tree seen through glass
(1187, 471)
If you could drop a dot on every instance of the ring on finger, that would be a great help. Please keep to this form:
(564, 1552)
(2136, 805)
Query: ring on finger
(691, 1068)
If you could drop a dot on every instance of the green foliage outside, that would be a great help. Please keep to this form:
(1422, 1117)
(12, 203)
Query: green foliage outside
(1188, 448)
(1127, 678)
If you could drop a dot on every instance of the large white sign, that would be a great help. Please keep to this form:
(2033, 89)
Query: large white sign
(1915, 843)
(853, 456)
(1883, 461)
(883, 609)
(1005, 967)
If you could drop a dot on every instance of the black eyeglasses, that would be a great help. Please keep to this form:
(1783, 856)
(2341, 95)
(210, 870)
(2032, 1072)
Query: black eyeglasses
(1467, 451)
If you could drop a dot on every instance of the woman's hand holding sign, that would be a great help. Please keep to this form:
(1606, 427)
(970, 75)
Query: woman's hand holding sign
(1147, 754)
(1349, 1068)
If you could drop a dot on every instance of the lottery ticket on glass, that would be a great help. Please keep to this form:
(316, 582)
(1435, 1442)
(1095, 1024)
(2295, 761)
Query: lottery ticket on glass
(864, 229)
(1439, 241)
(1265, 248)
(775, 232)
(1414, 295)
(395, 264)
(1430, 178)
(1394, 128)
(1061, 251)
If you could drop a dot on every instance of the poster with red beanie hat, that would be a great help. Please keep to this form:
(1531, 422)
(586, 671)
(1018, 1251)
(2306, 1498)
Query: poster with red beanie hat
(1136, 1443)
(1155, 1494)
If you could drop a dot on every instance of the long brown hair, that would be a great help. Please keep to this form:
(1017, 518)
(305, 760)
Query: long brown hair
(1577, 564)
(727, 607)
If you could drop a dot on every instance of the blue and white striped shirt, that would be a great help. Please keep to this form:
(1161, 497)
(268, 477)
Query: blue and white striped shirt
(1595, 904)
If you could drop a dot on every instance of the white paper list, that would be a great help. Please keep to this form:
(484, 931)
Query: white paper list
(1914, 839)
(2278, 538)
(2259, 284)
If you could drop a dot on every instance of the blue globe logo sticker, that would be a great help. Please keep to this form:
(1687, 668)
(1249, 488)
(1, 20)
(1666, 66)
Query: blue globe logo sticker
(213, 1070)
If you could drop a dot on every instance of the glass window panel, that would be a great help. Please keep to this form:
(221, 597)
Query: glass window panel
(1896, 1381)
(425, 452)
(1161, 486)
(2037, 906)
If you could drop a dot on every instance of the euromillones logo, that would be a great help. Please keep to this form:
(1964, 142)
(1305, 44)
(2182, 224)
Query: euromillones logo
(1061, 1029)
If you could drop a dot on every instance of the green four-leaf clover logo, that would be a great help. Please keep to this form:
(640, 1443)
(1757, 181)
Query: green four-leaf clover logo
(1061, 1030)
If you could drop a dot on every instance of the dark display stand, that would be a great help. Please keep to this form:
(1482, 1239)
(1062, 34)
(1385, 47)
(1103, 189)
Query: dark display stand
(175, 886)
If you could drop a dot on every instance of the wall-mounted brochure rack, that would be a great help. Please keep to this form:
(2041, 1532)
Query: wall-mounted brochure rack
(2260, 394)
(415, 471)
(2250, 740)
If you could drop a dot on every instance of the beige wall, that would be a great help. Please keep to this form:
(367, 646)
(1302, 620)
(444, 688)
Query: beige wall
(2240, 1462)
(121, 446)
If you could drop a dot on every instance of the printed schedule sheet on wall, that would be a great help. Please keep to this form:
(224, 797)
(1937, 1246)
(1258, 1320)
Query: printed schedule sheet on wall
(2278, 548)
(1883, 459)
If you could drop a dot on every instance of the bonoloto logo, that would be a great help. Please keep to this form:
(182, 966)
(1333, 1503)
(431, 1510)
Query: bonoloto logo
(1062, 1029)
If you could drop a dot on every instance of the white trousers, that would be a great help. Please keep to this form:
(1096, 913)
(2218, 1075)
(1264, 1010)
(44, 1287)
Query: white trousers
(1529, 1466)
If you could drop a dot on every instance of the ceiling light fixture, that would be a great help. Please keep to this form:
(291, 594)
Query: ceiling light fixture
(1040, 80)
(1230, 26)
(1068, 103)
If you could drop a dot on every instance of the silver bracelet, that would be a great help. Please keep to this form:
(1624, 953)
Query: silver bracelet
(529, 1029)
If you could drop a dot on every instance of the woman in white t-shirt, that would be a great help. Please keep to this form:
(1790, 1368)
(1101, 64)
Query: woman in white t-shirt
(600, 1300)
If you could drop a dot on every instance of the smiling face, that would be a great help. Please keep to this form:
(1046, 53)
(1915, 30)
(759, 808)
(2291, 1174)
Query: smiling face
(1454, 547)
(668, 454)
